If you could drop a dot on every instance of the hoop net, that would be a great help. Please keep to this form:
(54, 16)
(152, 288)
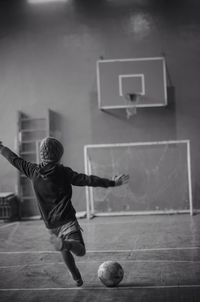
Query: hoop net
(131, 99)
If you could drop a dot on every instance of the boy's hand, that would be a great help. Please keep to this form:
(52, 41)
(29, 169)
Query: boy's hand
(121, 179)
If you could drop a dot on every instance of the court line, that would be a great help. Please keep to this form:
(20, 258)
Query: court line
(12, 233)
(107, 251)
(102, 288)
(121, 260)
(89, 223)
(9, 224)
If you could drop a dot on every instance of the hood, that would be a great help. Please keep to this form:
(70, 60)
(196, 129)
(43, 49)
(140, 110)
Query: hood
(48, 170)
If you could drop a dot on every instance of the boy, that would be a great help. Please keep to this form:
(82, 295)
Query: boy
(52, 184)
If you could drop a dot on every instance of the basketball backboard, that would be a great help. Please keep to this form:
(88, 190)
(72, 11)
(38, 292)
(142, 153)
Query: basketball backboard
(145, 77)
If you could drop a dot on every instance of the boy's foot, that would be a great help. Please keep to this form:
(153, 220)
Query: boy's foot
(79, 282)
(77, 278)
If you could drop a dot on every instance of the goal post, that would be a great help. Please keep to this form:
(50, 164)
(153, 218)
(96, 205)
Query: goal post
(160, 178)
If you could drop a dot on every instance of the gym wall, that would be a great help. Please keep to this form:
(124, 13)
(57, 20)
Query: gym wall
(48, 59)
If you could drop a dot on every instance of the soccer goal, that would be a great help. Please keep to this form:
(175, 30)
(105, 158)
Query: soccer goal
(160, 178)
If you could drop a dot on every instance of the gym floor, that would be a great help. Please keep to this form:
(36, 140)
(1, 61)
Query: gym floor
(160, 256)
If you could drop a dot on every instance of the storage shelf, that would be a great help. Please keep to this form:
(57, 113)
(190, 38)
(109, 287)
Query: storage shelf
(27, 152)
(27, 197)
(27, 119)
(29, 141)
(31, 130)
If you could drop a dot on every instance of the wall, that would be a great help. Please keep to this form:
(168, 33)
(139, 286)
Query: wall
(48, 55)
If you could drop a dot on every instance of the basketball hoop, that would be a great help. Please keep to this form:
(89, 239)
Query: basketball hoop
(132, 99)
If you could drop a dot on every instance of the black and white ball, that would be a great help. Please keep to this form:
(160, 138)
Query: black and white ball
(110, 273)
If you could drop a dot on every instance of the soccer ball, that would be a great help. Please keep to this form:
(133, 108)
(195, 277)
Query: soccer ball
(110, 273)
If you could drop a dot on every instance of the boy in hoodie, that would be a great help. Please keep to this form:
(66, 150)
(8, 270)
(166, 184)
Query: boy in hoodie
(52, 183)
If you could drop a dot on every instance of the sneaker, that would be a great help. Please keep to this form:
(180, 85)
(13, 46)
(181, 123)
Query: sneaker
(79, 282)
(78, 279)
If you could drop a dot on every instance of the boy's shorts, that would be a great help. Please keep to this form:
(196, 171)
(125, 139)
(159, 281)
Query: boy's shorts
(71, 230)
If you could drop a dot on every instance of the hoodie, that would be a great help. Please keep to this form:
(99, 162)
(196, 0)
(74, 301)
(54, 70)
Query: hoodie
(52, 184)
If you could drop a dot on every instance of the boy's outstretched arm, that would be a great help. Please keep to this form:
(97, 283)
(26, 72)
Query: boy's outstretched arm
(19, 163)
(80, 179)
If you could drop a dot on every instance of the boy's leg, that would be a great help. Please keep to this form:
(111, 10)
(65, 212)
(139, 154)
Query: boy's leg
(68, 237)
(70, 263)
(66, 240)
(73, 243)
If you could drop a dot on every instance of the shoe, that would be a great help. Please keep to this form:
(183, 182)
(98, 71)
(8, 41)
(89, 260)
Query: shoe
(79, 282)
(78, 279)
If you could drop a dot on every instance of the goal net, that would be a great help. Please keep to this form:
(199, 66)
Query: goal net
(160, 178)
